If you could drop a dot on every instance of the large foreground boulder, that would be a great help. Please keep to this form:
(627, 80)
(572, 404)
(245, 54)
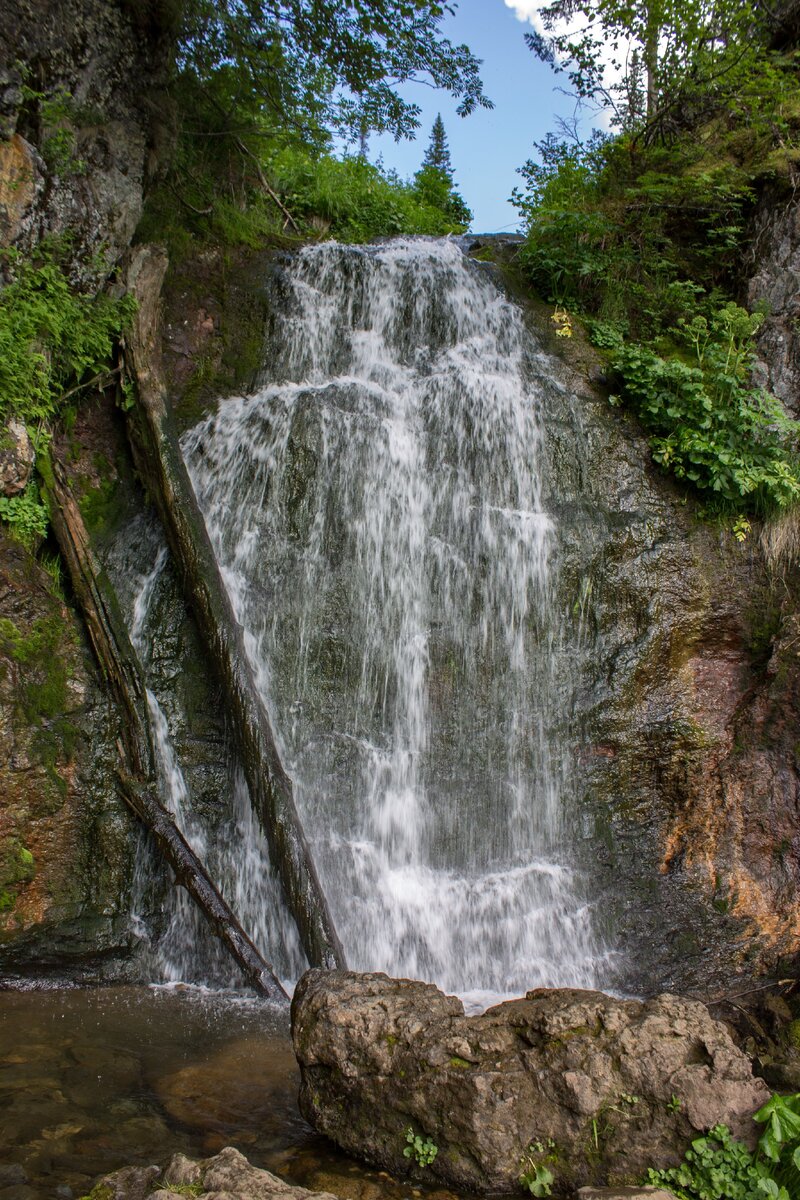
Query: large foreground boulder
(592, 1088)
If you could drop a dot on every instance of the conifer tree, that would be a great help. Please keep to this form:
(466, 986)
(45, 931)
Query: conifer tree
(438, 153)
(434, 182)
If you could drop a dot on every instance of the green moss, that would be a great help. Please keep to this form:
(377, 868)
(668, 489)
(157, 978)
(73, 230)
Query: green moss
(17, 867)
(41, 691)
(101, 1191)
(793, 1032)
(460, 1063)
(100, 506)
(764, 625)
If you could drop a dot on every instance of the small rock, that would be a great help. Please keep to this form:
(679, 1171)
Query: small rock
(624, 1193)
(181, 1171)
(12, 1173)
(132, 1183)
(227, 1174)
(17, 457)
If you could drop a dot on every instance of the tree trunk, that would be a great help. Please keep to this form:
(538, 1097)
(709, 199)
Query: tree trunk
(160, 463)
(190, 873)
(652, 29)
(122, 673)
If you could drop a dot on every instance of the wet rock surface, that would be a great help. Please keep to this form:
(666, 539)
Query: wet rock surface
(247, 1082)
(776, 254)
(596, 1088)
(688, 718)
(65, 848)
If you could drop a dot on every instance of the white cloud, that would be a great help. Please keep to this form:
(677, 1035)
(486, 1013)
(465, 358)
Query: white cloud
(525, 10)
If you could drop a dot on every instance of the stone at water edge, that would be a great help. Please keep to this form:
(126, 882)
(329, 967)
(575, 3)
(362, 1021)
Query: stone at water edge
(624, 1193)
(594, 1088)
(226, 1174)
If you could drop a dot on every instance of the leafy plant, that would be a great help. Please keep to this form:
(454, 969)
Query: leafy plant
(51, 335)
(25, 515)
(537, 1179)
(706, 424)
(535, 1174)
(718, 1167)
(422, 1149)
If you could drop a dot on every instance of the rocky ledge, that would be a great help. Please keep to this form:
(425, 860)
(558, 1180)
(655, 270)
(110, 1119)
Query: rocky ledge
(592, 1088)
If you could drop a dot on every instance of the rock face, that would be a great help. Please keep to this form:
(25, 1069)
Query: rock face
(689, 713)
(66, 845)
(596, 1089)
(226, 1174)
(776, 242)
(82, 115)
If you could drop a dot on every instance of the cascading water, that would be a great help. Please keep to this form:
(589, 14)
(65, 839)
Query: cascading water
(237, 855)
(376, 508)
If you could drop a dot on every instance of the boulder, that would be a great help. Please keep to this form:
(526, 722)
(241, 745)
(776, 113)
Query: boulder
(593, 1088)
(226, 1174)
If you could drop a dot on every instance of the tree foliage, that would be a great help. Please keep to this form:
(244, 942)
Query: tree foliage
(263, 87)
(655, 63)
(434, 182)
(645, 233)
(327, 63)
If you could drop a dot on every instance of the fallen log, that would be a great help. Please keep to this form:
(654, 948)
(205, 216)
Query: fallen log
(160, 463)
(190, 874)
(121, 670)
(116, 658)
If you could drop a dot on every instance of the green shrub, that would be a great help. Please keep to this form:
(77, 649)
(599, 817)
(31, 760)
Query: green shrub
(51, 335)
(359, 201)
(25, 514)
(706, 425)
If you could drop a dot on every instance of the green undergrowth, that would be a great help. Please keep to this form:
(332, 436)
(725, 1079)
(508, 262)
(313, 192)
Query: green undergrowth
(648, 245)
(52, 335)
(707, 424)
(17, 867)
(39, 663)
(718, 1167)
(54, 340)
(293, 195)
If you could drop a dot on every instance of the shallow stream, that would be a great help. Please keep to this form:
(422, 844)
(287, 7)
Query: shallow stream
(92, 1080)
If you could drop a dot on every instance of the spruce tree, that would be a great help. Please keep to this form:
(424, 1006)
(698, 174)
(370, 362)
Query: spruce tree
(438, 153)
(434, 183)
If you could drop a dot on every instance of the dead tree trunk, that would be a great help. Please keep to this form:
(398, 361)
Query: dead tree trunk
(121, 671)
(190, 873)
(160, 463)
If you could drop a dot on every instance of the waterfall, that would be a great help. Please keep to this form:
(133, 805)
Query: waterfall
(377, 510)
(238, 855)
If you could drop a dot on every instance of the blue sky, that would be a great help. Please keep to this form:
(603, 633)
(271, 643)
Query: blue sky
(487, 147)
